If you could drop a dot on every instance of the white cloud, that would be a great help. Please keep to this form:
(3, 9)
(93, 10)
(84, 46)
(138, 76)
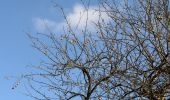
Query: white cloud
(43, 24)
(80, 16)
(77, 19)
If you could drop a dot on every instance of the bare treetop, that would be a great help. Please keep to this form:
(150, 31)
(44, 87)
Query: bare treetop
(126, 57)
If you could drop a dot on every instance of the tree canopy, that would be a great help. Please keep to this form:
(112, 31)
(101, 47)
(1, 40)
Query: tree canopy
(123, 57)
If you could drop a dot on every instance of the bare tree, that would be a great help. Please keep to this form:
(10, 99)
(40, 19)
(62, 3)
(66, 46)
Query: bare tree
(126, 57)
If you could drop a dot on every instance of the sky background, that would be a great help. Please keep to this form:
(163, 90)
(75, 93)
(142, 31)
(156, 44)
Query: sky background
(18, 17)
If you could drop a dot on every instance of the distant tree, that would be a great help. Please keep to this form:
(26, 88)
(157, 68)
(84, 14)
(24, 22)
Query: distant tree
(124, 58)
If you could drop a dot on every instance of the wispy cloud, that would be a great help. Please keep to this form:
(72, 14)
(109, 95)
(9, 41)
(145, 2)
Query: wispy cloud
(78, 18)
(41, 24)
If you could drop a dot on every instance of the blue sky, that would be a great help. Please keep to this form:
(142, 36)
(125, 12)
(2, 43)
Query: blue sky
(16, 18)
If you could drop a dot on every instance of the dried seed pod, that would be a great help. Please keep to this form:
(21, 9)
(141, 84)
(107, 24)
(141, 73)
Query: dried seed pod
(87, 41)
(150, 27)
(168, 38)
(159, 17)
(73, 41)
(159, 35)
